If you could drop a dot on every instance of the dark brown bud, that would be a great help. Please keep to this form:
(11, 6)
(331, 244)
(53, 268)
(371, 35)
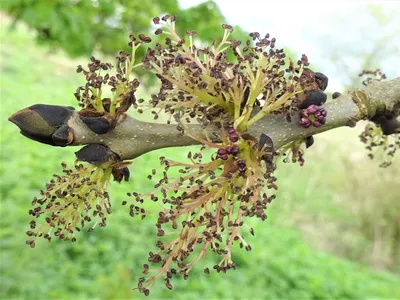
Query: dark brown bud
(97, 125)
(336, 95)
(309, 141)
(321, 80)
(96, 154)
(315, 97)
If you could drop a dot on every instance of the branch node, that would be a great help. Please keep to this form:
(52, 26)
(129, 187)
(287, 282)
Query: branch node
(362, 100)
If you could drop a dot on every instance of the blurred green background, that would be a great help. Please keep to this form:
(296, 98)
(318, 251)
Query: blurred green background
(332, 233)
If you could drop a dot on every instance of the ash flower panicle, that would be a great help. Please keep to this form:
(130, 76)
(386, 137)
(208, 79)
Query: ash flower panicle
(380, 146)
(371, 76)
(90, 96)
(294, 151)
(70, 202)
(206, 207)
(382, 135)
(198, 84)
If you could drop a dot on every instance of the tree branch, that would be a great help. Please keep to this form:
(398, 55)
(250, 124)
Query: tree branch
(131, 138)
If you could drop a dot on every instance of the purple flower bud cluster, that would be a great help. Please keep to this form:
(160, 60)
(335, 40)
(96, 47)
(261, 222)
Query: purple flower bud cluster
(313, 115)
(230, 150)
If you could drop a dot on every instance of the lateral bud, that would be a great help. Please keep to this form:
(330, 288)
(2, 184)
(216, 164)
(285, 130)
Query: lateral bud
(96, 154)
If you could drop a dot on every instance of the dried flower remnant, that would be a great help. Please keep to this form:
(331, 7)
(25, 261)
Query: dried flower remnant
(70, 202)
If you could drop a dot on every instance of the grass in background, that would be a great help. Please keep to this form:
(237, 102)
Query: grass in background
(339, 202)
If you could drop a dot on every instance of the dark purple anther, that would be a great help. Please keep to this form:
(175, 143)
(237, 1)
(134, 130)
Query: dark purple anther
(233, 137)
(221, 152)
(313, 115)
(235, 150)
(241, 162)
(241, 165)
(312, 109)
(301, 161)
(231, 130)
(317, 123)
(228, 150)
(305, 122)
(323, 112)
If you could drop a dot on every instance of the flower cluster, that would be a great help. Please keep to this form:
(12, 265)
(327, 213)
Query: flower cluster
(90, 96)
(382, 137)
(294, 151)
(230, 150)
(206, 207)
(70, 201)
(198, 84)
(312, 115)
(371, 76)
(380, 145)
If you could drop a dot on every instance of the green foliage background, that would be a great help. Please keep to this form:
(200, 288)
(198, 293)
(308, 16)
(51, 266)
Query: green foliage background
(80, 27)
(319, 242)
